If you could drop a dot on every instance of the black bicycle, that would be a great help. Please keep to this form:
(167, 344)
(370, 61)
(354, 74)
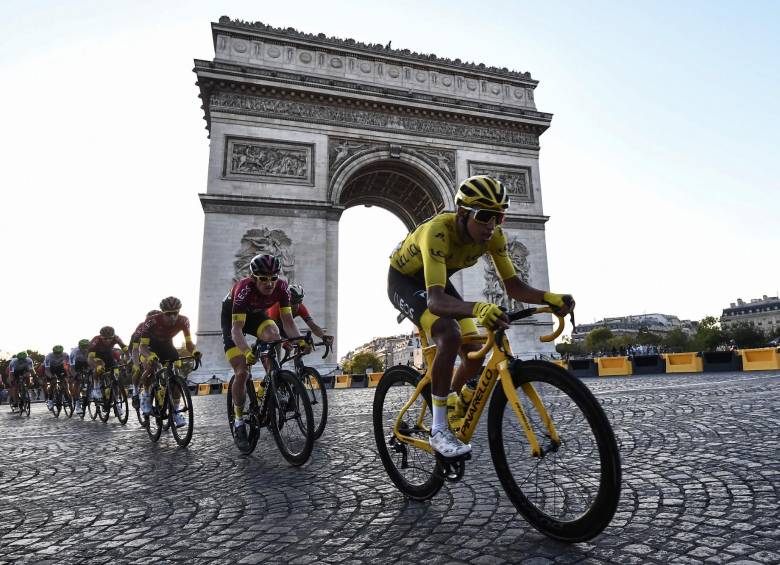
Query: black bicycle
(312, 382)
(23, 404)
(113, 396)
(171, 403)
(60, 396)
(281, 402)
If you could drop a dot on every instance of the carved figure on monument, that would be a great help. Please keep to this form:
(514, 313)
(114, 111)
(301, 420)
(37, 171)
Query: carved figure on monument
(264, 240)
(516, 181)
(251, 159)
(494, 289)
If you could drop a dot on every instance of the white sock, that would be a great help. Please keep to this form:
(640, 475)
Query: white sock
(135, 390)
(439, 413)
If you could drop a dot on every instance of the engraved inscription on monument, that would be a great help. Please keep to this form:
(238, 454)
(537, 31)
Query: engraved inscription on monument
(517, 180)
(260, 160)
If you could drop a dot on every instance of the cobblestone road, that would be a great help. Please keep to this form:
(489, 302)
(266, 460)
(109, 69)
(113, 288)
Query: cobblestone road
(701, 472)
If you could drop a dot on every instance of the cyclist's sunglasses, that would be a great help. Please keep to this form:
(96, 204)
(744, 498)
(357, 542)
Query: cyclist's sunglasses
(268, 278)
(483, 216)
(172, 313)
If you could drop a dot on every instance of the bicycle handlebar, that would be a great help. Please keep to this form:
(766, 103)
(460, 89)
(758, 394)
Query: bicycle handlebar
(519, 315)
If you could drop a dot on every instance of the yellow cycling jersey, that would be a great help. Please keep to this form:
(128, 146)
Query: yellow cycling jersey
(434, 247)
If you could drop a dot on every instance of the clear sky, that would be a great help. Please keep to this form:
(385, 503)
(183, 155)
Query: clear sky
(660, 171)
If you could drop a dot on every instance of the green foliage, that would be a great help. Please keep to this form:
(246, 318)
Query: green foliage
(597, 339)
(363, 360)
(709, 335)
(567, 347)
(646, 337)
(676, 340)
(747, 336)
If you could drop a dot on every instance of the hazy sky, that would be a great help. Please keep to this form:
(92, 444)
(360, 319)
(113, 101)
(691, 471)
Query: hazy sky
(660, 170)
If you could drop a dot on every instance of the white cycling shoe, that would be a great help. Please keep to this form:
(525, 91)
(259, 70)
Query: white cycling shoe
(447, 445)
(179, 420)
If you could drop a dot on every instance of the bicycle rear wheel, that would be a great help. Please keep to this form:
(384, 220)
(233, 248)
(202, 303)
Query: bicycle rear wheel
(56, 405)
(318, 399)
(24, 408)
(183, 433)
(412, 470)
(571, 492)
(119, 401)
(92, 408)
(292, 423)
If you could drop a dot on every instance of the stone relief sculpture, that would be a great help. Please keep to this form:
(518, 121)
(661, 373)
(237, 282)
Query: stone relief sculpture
(494, 290)
(256, 105)
(264, 240)
(515, 179)
(267, 160)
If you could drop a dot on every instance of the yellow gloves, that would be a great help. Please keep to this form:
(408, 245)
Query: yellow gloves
(487, 314)
(558, 301)
(250, 358)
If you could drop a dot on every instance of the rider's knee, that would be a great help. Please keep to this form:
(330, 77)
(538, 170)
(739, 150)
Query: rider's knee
(446, 335)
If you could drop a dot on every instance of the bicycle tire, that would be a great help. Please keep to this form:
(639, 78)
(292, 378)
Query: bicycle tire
(394, 390)
(56, 404)
(318, 398)
(67, 402)
(290, 404)
(253, 431)
(93, 409)
(25, 403)
(184, 408)
(554, 507)
(119, 402)
(154, 420)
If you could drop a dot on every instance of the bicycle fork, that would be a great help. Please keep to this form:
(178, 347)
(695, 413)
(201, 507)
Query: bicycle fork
(514, 401)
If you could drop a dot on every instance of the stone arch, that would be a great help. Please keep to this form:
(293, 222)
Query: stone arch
(354, 183)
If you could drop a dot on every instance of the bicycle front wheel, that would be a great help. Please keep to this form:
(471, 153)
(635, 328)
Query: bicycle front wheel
(571, 491)
(411, 469)
(318, 399)
(56, 405)
(119, 398)
(292, 423)
(67, 402)
(181, 411)
(154, 420)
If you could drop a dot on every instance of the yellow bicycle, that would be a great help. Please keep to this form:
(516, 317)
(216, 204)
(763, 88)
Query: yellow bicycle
(552, 446)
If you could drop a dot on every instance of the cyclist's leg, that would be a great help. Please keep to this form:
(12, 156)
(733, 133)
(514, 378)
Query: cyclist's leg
(135, 359)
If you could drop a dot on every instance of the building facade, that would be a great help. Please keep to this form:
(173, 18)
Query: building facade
(630, 325)
(762, 313)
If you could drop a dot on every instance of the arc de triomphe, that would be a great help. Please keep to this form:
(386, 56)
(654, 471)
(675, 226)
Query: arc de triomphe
(304, 126)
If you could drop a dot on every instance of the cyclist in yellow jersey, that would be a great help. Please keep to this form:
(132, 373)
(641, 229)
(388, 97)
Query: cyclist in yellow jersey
(418, 285)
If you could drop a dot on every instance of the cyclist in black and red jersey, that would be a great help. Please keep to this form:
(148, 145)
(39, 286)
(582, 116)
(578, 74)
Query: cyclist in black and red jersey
(134, 348)
(298, 309)
(56, 364)
(156, 344)
(101, 356)
(244, 313)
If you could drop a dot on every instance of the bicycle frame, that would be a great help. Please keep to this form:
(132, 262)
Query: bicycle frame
(497, 369)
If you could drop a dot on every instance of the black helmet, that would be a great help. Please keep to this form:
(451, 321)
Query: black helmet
(170, 304)
(107, 332)
(264, 265)
(296, 294)
(152, 313)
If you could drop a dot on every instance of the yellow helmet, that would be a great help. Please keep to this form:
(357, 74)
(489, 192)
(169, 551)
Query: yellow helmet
(484, 192)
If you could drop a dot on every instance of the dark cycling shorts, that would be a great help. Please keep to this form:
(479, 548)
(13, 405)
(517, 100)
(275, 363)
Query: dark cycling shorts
(81, 366)
(107, 358)
(255, 323)
(409, 295)
(58, 371)
(164, 349)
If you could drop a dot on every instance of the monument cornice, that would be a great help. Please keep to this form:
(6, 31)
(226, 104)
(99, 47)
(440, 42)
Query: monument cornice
(290, 35)
(250, 205)
(242, 76)
(300, 107)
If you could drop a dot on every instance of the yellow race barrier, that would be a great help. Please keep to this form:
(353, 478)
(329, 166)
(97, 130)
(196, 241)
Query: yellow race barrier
(204, 389)
(560, 363)
(614, 366)
(763, 359)
(373, 379)
(343, 381)
(225, 388)
(683, 363)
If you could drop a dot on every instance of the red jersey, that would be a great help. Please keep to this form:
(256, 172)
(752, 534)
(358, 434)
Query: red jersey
(99, 345)
(248, 300)
(156, 328)
(274, 312)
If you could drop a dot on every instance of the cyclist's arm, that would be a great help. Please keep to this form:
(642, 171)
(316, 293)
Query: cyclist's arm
(287, 322)
(446, 306)
(188, 337)
(523, 292)
(315, 329)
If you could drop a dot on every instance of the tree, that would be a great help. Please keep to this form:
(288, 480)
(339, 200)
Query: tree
(676, 340)
(567, 347)
(746, 336)
(597, 339)
(363, 360)
(709, 335)
(646, 337)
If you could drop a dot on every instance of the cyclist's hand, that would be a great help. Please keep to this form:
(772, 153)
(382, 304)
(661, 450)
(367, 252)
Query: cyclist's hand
(99, 370)
(304, 346)
(152, 358)
(490, 315)
(197, 354)
(124, 349)
(561, 304)
(328, 339)
(250, 358)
